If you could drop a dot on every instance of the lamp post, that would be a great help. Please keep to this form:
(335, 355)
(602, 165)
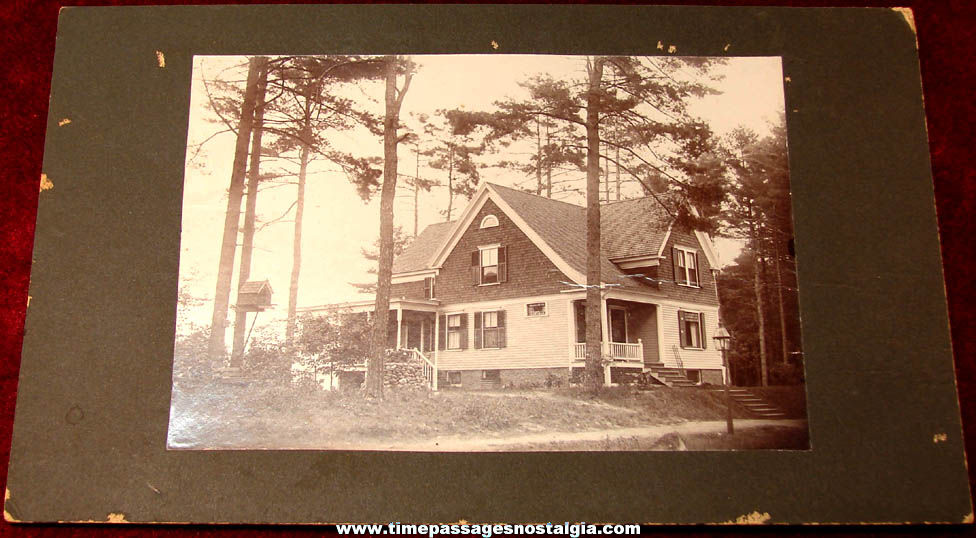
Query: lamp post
(723, 340)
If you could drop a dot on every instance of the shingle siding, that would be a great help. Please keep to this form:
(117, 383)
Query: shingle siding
(530, 272)
(408, 290)
(706, 293)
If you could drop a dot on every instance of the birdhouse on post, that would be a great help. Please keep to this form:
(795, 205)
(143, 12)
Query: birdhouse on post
(254, 296)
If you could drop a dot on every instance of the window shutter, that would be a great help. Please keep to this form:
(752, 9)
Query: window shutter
(501, 328)
(442, 337)
(427, 288)
(503, 264)
(682, 337)
(464, 331)
(701, 323)
(674, 265)
(477, 330)
(476, 267)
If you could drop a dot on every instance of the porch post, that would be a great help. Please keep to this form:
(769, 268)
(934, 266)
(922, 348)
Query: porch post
(604, 346)
(437, 334)
(399, 312)
(571, 326)
(423, 329)
(603, 323)
(660, 332)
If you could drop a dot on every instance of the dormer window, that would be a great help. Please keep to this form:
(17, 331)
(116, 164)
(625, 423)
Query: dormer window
(686, 267)
(490, 221)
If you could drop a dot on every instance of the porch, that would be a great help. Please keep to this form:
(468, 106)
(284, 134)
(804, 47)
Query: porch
(411, 327)
(633, 330)
(623, 353)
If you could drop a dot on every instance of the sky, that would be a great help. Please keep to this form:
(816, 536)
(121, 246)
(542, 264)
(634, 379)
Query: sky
(337, 223)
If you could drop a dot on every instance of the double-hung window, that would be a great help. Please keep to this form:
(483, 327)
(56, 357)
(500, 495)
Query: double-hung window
(686, 267)
(691, 329)
(429, 288)
(454, 331)
(489, 265)
(490, 321)
(489, 329)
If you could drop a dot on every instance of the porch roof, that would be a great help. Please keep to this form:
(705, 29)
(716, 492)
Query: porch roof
(621, 293)
(367, 305)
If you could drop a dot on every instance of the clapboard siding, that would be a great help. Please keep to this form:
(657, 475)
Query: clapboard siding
(538, 342)
(707, 358)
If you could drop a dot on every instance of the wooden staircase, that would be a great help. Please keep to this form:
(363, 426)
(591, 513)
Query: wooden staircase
(671, 377)
(755, 405)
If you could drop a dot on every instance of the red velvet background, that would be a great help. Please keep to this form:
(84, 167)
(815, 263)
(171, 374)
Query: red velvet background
(947, 42)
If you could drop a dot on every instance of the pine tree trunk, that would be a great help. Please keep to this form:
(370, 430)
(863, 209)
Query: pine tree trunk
(228, 246)
(593, 377)
(782, 309)
(548, 168)
(291, 321)
(296, 250)
(760, 309)
(617, 167)
(450, 183)
(416, 194)
(250, 210)
(375, 367)
(538, 156)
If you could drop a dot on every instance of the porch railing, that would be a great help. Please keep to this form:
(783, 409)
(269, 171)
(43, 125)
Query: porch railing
(430, 368)
(619, 351)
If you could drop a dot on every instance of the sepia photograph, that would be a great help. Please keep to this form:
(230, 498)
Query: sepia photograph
(482, 253)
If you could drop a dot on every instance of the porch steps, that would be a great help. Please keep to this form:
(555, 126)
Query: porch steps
(755, 405)
(671, 377)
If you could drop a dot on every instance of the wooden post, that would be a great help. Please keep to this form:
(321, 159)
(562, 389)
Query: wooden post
(399, 312)
(604, 338)
(437, 336)
(436, 346)
(423, 333)
(728, 398)
(571, 325)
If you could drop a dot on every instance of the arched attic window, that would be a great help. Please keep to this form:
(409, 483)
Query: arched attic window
(490, 221)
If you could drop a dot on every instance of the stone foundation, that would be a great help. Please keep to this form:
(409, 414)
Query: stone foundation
(519, 378)
(404, 376)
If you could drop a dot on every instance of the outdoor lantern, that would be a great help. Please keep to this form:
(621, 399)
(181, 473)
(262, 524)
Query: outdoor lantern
(722, 339)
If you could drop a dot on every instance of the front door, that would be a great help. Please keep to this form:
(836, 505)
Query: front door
(618, 324)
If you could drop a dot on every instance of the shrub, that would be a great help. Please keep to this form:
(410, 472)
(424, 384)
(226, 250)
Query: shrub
(191, 358)
(268, 360)
(790, 373)
(553, 381)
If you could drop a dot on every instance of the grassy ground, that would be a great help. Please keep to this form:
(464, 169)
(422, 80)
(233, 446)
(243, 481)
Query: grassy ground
(221, 416)
(680, 403)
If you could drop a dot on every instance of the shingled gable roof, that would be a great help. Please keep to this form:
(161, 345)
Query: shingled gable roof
(418, 253)
(628, 228)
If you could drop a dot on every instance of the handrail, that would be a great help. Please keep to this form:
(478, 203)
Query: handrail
(430, 368)
(619, 351)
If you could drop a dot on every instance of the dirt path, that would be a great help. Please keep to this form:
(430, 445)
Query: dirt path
(647, 434)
